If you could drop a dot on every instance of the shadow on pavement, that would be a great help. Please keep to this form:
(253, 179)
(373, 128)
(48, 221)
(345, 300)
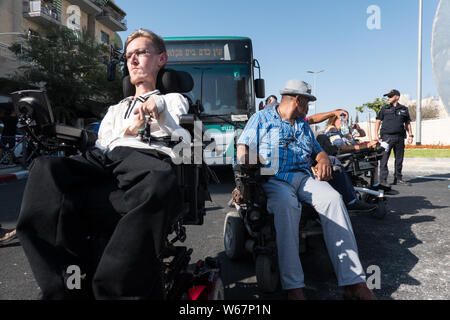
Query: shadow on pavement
(384, 243)
(387, 243)
(13, 243)
(431, 177)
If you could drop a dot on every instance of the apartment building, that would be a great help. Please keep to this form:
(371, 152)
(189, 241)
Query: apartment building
(101, 18)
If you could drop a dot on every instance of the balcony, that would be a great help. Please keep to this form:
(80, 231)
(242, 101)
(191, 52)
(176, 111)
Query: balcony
(41, 12)
(88, 6)
(112, 20)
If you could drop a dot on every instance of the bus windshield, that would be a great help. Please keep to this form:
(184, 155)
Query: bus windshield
(223, 89)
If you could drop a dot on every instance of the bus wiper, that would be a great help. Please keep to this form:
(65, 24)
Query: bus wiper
(201, 81)
(224, 118)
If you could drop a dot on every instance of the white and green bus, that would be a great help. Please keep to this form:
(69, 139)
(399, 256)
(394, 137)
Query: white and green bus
(225, 88)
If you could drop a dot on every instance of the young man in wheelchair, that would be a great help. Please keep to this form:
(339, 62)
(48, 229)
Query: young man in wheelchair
(106, 211)
(281, 135)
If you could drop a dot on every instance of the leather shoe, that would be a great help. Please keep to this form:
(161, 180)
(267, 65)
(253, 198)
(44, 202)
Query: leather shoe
(401, 182)
(361, 206)
(358, 291)
(295, 294)
(382, 186)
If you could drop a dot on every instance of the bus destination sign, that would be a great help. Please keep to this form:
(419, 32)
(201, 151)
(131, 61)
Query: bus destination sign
(208, 51)
(196, 54)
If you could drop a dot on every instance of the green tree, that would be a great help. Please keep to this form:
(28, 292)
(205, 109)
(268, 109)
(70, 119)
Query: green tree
(72, 65)
(376, 105)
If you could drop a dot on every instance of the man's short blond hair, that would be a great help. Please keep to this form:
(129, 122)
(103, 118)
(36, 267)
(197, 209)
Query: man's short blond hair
(156, 40)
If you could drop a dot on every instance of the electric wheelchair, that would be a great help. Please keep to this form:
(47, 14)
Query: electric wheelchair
(250, 229)
(361, 165)
(201, 282)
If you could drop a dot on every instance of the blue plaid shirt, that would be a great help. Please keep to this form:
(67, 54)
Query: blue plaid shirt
(286, 148)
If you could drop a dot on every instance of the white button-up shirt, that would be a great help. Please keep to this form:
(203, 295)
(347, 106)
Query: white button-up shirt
(120, 116)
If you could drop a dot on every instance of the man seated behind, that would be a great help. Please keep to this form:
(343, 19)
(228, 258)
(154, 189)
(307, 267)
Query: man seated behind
(282, 132)
(106, 212)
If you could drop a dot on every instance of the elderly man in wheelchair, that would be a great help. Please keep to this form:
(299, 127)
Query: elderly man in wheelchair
(286, 143)
(108, 212)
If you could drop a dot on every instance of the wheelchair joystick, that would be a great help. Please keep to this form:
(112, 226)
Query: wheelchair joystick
(144, 134)
(140, 135)
(147, 128)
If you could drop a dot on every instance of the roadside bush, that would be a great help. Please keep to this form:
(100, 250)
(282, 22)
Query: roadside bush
(428, 112)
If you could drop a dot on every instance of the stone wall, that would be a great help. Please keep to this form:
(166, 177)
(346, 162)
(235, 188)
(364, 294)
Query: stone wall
(435, 132)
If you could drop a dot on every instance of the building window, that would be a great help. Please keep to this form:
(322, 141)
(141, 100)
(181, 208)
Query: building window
(104, 37)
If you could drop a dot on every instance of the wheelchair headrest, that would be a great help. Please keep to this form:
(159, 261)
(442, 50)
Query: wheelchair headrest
(33, 104)
(168, 81)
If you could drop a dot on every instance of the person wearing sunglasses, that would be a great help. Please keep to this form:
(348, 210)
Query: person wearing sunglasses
(394, 121)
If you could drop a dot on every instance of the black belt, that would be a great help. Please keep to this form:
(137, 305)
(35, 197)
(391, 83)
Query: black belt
(392, 134)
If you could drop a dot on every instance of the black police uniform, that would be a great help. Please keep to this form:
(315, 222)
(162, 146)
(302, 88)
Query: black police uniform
(393, 131)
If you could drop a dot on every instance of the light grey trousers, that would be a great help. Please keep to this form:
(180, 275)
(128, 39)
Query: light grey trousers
(283, 200)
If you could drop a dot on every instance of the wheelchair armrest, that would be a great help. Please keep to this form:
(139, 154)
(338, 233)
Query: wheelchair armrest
(344, 156)
(62, 132)
(346, 159)
(249, 183)
(189, 122)
(87, 140)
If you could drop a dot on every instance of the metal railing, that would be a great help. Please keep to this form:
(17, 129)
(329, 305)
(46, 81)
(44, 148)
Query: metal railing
(115, 16)
(42, 7)
(100, 3)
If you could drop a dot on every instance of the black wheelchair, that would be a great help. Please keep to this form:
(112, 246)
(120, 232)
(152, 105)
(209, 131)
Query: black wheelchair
(361, 165)
(199, 282)
(250, 229)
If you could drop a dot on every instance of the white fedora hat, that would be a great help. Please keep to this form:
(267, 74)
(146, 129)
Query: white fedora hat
(298, 87)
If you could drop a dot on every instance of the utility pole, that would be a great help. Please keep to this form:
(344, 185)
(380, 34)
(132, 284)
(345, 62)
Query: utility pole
(315, 91)
(419, 81)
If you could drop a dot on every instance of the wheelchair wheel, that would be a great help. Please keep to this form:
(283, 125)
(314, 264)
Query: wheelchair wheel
(381, 211)
(234, 236)
(267, 274)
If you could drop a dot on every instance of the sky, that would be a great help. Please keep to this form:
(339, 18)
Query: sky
(364, 53)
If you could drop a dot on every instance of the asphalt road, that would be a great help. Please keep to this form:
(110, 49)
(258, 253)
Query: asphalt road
(410, 246)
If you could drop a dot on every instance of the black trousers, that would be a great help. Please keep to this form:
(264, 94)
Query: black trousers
(106, 215)
(397, 143)
(342, 182)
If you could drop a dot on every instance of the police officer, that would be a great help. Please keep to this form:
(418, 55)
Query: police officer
(394, 120)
